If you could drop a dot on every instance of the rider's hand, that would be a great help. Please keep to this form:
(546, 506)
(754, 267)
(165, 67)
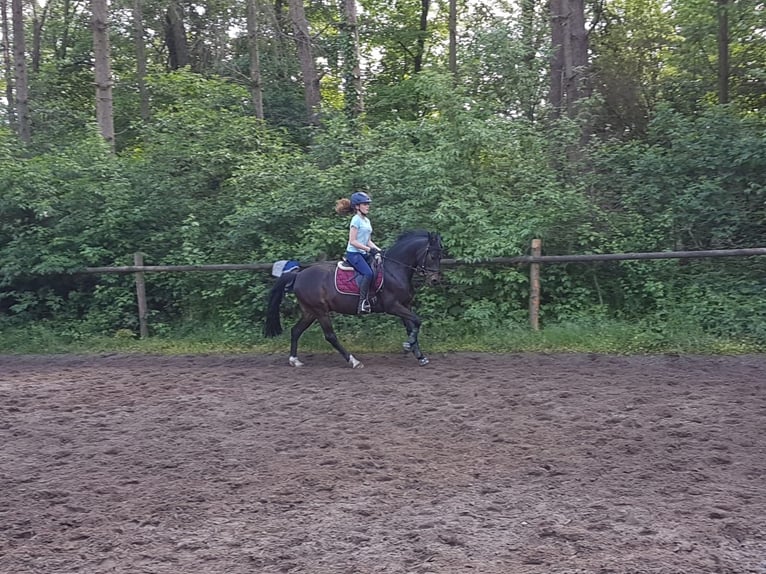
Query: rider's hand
(378, 257)
(374, 252)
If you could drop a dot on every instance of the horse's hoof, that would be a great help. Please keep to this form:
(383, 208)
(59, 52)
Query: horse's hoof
(423, 361)
(294, 362)
(354, 362)
(407, 346)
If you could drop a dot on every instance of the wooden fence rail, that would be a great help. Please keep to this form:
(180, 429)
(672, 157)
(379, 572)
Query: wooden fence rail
(535, 260)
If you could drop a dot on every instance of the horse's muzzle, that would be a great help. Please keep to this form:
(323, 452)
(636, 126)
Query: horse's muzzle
(433, 278)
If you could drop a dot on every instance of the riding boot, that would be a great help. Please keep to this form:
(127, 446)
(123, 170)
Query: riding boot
(364, 290)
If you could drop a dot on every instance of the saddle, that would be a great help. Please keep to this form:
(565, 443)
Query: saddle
(347, 278)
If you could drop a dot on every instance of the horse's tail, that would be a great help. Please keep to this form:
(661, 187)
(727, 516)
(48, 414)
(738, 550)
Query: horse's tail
(273, 326)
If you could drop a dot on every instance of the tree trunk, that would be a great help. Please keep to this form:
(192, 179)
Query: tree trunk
(175, 37)
(282, 21)
(352, 75)
(138, 40)
(256, 82)
(453, 38)
(577, 64)
(38, 22)
(723, 51)
(529, 43)
(569, 65)
(278, 45)
(8, 66)
(20, 67)
(558, 34)
(61, 49)
(103, 71)
(306, 57)
(421, 43)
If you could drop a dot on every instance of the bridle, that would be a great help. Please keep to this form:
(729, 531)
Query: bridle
(418, 267)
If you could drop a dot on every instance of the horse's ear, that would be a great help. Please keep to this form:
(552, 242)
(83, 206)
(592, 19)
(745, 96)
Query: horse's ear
(439, 242)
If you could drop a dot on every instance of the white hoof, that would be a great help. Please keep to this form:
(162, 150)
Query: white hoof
(294, 362)
(354, 362)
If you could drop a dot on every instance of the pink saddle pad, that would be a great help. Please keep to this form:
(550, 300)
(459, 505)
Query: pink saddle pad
(345, 282)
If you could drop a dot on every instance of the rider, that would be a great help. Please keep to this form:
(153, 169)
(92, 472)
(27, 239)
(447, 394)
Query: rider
(360, 245)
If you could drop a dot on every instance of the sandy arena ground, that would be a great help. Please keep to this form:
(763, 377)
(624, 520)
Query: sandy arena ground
(477, 463)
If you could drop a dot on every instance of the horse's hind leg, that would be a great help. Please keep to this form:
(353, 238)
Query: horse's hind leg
(332, 338)
(295, 334)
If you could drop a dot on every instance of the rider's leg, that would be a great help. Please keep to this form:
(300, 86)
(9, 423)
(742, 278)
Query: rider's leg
(364, 292)
(360, 264)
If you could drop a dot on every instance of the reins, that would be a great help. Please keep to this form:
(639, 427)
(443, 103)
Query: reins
(420, 268)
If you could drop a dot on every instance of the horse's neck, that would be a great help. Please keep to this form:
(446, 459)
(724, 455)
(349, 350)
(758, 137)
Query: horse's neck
(407, 259)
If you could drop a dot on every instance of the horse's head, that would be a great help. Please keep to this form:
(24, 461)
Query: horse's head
(419, 251)
(430, 265)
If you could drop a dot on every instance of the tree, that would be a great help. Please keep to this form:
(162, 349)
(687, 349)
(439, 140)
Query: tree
(256, 81)
(38, 22)
(103, 71)
(723, 51)
(306, 59)
(569, 66)
(7, 65)
(421, 38)
(352, 75)
(20, 66)
(175, 36)
(138, 36)
(453, 37)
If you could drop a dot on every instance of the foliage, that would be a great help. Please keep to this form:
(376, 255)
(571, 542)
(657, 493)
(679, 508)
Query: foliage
(503, 61)
(694, 184)
(47, 207)
(690, 73)
(469, 154)
(630, 43)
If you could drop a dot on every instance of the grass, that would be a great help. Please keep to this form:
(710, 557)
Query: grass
(385, 335)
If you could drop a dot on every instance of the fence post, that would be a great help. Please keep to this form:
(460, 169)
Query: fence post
(143, 312)
(534, 286)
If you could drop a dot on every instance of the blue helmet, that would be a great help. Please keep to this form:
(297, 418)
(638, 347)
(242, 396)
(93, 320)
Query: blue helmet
(359, 198)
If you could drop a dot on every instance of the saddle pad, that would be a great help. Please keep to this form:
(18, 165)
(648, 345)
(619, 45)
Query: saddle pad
(345, 281)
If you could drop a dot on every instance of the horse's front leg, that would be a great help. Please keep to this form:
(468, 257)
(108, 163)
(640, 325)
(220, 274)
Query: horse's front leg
(407, 345)
(412, 325)
(412, 343)
(332, 338)
(412, 335)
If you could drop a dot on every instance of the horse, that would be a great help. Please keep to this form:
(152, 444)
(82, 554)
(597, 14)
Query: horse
(315, 289)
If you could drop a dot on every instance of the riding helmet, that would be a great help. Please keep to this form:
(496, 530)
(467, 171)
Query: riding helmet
(359, 197)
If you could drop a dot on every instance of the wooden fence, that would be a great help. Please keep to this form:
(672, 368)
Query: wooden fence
(534, 260)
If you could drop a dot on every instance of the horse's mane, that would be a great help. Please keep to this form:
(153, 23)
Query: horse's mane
(406, 238)
(411, 234)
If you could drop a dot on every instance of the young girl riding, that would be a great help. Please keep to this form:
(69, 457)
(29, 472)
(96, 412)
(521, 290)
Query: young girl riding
(360, 248)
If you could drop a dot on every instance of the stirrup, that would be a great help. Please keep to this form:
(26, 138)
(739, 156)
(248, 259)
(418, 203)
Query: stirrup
(364, 307)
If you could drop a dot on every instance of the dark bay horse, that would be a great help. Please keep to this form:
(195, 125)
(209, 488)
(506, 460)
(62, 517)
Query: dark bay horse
(314, 287)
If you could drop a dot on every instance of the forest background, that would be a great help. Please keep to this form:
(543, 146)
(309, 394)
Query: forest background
(224, 132)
